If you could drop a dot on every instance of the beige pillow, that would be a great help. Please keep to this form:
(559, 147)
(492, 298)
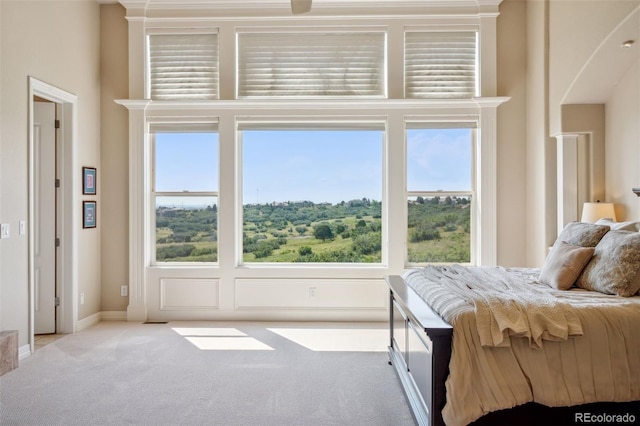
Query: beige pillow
(564, 264)
(582, 234)
(615, 266)
(619, 226)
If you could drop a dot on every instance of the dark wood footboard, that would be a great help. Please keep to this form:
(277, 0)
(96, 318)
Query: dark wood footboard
(420, 351)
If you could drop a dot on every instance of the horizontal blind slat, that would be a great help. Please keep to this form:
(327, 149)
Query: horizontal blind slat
(440, 65)
(318, 64)
(183, 66)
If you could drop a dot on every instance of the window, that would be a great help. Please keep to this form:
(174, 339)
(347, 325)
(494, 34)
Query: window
(312, 148)
(311, 64)
(440, 193)
(185, 191)
(183, 66)
(312, 195)
(440, 65)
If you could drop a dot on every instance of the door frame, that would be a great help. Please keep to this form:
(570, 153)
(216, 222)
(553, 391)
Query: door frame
(67, 215)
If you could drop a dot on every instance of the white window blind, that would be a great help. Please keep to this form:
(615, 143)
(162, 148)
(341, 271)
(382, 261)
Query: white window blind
(183, 66)
(440, 65)
(311, 64)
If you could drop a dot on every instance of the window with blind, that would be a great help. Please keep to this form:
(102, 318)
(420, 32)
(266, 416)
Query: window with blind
(440, 185)
(440, 65)
(311, 64)
(183, 66)
(185, 189)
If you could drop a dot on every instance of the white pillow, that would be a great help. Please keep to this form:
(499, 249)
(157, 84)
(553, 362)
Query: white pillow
(619, 226)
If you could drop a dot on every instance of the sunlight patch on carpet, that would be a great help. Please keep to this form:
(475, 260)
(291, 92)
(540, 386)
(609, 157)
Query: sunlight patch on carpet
(337, 340)
(221, 339)
(208, 331)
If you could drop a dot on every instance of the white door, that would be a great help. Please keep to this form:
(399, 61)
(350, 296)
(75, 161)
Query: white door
(44, 134)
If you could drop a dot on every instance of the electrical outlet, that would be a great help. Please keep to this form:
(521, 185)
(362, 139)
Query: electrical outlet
(22, 225)
(82, 298)
(5, 230)
(124, 290)
(312, 292)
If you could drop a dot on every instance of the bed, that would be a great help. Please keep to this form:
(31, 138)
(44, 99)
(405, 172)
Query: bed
(493, 345)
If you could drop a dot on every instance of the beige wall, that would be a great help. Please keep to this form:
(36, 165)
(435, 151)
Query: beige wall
(562, 38)
(114, 157)
(1, 115)
(512, 135)
(58, 43)
(622, 152)
(576, 29)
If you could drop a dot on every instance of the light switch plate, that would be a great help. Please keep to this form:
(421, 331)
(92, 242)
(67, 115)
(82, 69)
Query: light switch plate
(5, 230)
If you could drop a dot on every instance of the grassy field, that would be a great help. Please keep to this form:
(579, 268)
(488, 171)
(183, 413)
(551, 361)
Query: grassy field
(290, 252)
(452, 247)
(301, 232)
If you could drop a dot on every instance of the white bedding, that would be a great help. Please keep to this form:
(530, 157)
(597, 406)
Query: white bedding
(574, 347)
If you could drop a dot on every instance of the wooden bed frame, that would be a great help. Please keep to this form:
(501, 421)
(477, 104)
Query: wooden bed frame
(420, 350)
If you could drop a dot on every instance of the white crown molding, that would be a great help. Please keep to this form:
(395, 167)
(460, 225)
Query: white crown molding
(320, 7)
(270, 4)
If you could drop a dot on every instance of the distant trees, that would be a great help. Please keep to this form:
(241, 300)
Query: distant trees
(323, 232)
(350, 231)
(305, 251)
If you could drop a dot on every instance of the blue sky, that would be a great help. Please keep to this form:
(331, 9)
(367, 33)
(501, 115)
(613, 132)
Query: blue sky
(439, 159)
(320, 166)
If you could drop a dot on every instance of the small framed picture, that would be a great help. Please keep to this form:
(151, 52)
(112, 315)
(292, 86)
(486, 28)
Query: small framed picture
(89, 180)
(89, 214)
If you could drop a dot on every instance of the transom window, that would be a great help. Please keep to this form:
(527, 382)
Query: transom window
(183, 66)
(440, 64)
(312, 194)
(311, 64)
(185, 193)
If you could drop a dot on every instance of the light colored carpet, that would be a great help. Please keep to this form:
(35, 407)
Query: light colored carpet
(209, 373)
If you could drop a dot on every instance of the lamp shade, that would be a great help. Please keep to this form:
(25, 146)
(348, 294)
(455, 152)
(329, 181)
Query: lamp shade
(591, 212)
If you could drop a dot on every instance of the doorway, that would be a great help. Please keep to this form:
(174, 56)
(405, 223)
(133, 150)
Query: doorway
(52, 217)
(46, 184)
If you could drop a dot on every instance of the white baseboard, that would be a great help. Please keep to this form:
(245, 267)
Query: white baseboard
(87, 322)
(113, 315)
(24, 351)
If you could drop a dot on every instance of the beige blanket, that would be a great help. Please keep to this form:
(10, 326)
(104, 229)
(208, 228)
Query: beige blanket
(517, 340)
(504, 304)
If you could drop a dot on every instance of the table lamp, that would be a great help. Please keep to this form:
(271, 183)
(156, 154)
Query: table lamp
(591, 212)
